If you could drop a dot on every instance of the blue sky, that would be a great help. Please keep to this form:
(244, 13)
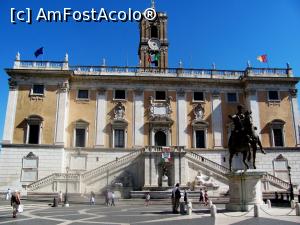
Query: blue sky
(226, 32)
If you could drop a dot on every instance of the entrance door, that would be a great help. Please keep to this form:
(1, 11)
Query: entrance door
(160, 138)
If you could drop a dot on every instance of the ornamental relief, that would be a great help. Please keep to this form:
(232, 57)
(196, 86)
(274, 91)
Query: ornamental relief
(119, 111)
(199, 111)
(160, 109)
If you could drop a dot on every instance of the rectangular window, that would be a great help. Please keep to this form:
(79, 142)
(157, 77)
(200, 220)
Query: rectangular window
(38, 89)
(273, 95)
(160, 95)
(83, 94)
(232, 97)
(200, 139)
(278, 137)
(80, 137)
(120, 94)
(34, 132)
(198, 96)
(119, 138)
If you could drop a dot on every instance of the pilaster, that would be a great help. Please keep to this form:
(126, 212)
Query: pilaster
(138, 131)
(217, 123)
(101, 107)
(295, 112)
(252, 104)
(61, 113)
(10, 112)
(182, 117)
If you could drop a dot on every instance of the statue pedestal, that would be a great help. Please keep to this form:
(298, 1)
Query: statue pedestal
(245, 190)
(164, 182)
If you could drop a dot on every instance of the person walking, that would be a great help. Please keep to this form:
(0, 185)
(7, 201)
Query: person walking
(15, 203)
(113, 199)
(206, 197)
(176, 195)
(106, 197)
(201, 198)
(147, 199)
(60, 197)
(299, 196)
(109, 197)
(8, 194)
(92, 198)
(185, 198)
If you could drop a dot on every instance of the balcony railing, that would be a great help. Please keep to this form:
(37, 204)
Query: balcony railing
(155, 72)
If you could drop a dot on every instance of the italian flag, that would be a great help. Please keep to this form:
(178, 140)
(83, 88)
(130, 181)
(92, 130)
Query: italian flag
(262, 58)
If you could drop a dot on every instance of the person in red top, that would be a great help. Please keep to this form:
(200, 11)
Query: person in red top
(15, 202)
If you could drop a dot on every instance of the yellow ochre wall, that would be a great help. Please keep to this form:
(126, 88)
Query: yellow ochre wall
(44, 107)
(270, 111)
(86, 110)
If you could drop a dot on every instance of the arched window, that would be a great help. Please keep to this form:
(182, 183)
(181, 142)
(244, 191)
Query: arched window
(154, 32)
(160, 138)
(277, 133)
(34, 129)
(81, 133)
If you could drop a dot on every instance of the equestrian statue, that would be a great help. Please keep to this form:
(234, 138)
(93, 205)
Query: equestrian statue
(243, 137)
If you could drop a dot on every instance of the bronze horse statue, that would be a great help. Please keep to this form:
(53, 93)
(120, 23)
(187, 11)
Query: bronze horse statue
(243, 138)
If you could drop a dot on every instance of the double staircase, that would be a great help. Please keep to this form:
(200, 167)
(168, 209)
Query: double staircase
(86, 178)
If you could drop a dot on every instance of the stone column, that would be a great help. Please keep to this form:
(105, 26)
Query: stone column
(101, 118)
(9, 125)
(182, 117)
(183, 166)
(153, 173)
(295, 112)
(138, 130)
(252, 104)
(147, 170)
(61, 113)
(176, 169)
(217, 122)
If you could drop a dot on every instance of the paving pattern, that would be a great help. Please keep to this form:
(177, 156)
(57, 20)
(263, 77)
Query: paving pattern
(136, 213)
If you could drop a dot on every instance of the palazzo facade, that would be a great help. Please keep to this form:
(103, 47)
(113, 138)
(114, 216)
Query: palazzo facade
(100, 126)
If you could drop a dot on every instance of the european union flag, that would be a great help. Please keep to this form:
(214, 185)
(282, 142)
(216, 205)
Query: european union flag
(39, 52)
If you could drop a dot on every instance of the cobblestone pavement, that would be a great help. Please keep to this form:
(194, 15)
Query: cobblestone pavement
(136, 213)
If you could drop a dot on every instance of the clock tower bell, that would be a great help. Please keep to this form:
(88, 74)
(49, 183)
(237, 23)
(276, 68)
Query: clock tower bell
(153, 47)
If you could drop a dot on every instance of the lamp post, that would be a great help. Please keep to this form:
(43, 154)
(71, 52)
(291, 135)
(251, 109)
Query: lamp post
(291, 185)
(66, 202)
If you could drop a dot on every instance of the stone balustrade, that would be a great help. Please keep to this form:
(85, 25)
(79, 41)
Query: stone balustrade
(138, 71)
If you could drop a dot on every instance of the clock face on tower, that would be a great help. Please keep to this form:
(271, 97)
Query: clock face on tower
(154, 44)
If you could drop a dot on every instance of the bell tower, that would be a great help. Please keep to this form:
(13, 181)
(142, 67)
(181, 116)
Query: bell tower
(153, 46)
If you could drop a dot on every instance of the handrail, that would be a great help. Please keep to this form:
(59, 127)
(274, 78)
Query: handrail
(224, 170)
(112, 164)
(51, 178)
(275, 180)
(103, 168)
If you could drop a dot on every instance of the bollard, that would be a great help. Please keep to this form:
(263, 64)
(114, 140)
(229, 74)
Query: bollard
(213, 211)
(189, 208)
(293, 204)
(182, 208)
(269, 204)
(256, 210)
(298, 209)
